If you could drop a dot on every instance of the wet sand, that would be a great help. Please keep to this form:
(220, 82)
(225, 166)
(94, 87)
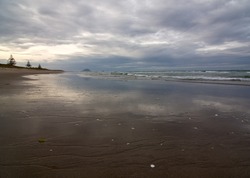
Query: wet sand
(57, 125)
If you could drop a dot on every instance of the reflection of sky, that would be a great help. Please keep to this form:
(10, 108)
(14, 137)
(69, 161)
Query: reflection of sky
(64, 98)
(98, 96)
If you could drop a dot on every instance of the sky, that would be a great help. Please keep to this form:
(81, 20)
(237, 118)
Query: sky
(126, 35)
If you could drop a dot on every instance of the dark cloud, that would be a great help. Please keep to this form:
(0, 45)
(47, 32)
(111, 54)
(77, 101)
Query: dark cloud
(129, 34)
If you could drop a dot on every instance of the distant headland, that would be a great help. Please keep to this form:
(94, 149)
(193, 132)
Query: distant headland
(86, 70)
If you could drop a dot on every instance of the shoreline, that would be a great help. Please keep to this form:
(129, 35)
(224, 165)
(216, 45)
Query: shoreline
(217, 82)
(15, 73)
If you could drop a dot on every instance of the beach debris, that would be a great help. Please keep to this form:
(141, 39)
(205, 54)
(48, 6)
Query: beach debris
(119, 124)
(242, 121)
(196, 128)
(183, 150)
(128, 143)
(50, 150)
(76, 124)
(132, 128)
(112, 140)
(98, 119)
(216, 115)
(189, 118)
(212, 148)
(232, 132)
(161, 144)
(152, 165)
(41, 140)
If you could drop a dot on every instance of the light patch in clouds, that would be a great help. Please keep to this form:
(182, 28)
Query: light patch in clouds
(39, 52)
(226, 47)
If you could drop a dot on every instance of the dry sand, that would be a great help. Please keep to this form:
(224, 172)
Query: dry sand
(48, 137)
(14, 73)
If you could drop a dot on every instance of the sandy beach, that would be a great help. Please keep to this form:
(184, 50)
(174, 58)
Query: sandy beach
(63, 125)
(15, 73)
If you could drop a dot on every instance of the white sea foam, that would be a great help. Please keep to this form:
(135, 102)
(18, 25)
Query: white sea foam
(214, 71)
(207, 78)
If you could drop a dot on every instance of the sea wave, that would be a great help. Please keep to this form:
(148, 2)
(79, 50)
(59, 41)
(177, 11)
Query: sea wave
(208, 78)
(169, 75)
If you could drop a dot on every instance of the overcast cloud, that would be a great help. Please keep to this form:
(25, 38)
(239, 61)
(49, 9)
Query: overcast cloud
(127, 34)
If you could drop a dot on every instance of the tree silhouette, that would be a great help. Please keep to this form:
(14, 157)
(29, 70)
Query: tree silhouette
(39, 66)
(28, 64)
(11, 61)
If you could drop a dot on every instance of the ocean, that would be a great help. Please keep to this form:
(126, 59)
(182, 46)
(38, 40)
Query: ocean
(196, 75)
